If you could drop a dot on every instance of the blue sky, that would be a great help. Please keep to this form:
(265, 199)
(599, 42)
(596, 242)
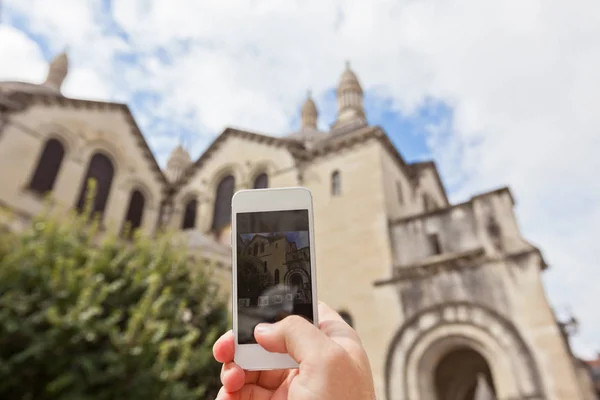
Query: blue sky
(298, 237)
(495, 96)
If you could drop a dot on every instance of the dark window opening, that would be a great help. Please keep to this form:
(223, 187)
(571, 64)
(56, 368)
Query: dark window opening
(347, 318)
(135, 212)
(276, 276)
(261, 181)
(101, 170)
(296, 281)
(262, 247)
(399, 192)
(336, 189)
(434, 243)
(222, 210)
(189, 214)
(428, 203)
(47, 168)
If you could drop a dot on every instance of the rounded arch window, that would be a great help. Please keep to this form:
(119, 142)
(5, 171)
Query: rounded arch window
(336, 184)
(189, 214)
(101, 170)
(48, 166)
(135, 213)
(222, 209)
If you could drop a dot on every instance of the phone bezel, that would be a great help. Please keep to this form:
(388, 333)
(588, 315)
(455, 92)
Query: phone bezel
(253, 356)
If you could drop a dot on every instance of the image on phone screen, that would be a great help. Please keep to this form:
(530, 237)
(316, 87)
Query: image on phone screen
(273, 269)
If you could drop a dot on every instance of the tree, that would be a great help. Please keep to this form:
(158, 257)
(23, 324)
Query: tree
(89, 318)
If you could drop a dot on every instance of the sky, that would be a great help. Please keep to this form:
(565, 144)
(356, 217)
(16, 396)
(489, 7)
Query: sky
(496, 92)
(298, 237)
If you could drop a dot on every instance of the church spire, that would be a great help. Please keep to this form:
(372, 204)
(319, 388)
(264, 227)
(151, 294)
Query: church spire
(349, 98)
(178, 162)
(309, 113)
(57, 71)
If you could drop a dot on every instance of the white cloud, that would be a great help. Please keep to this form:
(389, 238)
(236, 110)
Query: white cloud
(521, 78)
(21, 57)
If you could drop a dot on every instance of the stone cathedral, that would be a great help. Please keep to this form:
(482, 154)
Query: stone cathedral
(447, 298)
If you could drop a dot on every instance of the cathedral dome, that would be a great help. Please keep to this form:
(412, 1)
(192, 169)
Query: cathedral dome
(351, 113)
(309, 107)
(180, 154)
(178, 162)
(309, 113)
(308, 133)
(349, 81)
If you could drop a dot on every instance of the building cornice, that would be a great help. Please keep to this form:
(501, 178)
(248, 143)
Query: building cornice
(295, 147)
(443, 210)
(452, 262)
(28, 99)
(325, 147)
(435, 265)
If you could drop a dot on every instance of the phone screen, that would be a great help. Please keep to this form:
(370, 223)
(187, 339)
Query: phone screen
(273, 269)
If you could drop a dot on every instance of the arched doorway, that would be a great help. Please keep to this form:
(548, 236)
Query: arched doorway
(462, 374)
(428, 345)
(298, 281)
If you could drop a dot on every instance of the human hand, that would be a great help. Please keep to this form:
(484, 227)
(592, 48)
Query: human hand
(332, 362)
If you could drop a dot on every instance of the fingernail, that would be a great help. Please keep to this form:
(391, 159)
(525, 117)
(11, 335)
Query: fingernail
(263, 328)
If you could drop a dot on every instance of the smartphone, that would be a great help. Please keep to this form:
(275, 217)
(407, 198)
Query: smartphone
(273, 268)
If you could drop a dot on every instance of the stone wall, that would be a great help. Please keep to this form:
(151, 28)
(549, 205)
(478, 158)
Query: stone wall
(83, 132)
(245, 160)
(489, 265)
(352, 245)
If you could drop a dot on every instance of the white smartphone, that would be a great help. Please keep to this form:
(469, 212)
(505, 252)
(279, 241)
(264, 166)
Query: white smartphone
(273, 262)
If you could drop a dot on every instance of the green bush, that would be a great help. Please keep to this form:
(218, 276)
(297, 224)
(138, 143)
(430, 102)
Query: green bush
(83, 318)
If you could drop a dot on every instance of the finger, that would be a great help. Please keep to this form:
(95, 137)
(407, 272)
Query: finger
(272, 379)
(334, 327)
(247, 376)
(224, 348)
(332, 324)
(327, 313)
(233, 377)
(293, 335)
(248, 392)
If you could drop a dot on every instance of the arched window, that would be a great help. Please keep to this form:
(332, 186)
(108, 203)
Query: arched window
(135, 212)
(47, 168)
(276, 280)
(222, 210)
(102, 171)
(347, 317)
(336, 188)
(261, 181)
(189, 214)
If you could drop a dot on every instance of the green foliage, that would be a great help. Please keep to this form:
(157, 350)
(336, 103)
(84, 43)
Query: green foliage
(84, 318)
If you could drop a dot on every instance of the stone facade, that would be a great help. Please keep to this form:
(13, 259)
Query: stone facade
(447, 299)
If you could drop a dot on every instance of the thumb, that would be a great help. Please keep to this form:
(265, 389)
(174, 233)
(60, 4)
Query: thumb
(293, 335)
